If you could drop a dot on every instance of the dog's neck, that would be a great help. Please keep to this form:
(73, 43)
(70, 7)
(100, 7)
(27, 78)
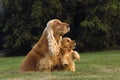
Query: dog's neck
(57, 38)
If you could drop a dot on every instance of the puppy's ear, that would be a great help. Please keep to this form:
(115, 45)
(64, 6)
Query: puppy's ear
(75, 55)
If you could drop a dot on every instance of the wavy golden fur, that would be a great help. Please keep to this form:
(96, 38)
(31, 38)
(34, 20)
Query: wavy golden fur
(66, 60)
(41, 55)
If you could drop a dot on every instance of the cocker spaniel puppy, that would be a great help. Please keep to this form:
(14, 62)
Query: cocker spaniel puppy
(68, 54)
(40, 56)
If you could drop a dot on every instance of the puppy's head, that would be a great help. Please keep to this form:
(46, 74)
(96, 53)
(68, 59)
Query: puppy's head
(58, 27)
(67, 43)
(67, 46)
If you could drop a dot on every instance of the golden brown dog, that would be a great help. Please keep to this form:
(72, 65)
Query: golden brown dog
(41, 55)
(68, 55)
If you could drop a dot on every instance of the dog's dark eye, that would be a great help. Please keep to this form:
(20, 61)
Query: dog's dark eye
(67, 41)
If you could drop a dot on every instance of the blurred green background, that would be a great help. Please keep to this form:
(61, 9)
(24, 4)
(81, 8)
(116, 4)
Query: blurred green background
(95, 24)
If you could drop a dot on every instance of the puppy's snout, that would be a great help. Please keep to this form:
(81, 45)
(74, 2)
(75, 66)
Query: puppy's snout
(73, 44)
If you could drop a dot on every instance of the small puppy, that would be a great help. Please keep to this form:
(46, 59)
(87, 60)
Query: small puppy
(68, 55)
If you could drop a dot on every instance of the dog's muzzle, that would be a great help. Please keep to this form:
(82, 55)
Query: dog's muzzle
(68, 29)
(65, 63)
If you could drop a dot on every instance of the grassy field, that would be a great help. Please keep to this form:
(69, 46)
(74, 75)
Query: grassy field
(92, 66)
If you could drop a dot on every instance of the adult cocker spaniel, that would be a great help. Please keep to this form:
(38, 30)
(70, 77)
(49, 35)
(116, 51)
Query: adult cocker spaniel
(40, 57)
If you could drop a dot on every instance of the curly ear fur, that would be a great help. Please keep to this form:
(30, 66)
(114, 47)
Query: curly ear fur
(53, 46)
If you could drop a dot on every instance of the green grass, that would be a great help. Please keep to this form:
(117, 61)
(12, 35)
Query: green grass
(92, 66)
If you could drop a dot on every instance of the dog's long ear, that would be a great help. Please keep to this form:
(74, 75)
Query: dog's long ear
(53, 46)
(75, 55)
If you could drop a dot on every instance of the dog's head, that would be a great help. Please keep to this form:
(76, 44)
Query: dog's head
(55, 30)
(58, 27)
(67, 46)
(67, 43)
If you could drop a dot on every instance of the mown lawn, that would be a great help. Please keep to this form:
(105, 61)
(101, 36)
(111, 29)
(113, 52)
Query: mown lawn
(103, 65)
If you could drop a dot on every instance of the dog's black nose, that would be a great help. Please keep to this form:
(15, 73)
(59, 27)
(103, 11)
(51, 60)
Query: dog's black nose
(65, 65)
